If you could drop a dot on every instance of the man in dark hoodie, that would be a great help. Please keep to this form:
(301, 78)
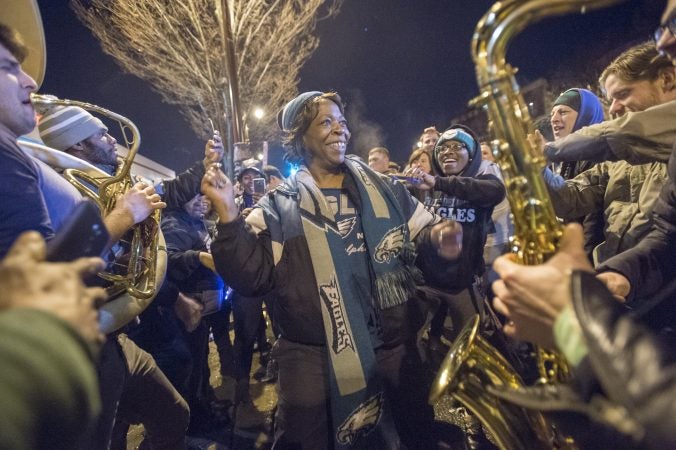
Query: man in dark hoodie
(466, 192)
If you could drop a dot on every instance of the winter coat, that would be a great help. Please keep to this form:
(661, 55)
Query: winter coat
(269, 252)
(625, 193)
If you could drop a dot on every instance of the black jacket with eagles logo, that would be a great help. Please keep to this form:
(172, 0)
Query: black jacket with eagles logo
(468, 198)
(269, 252)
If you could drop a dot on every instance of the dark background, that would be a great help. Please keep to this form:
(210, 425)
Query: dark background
(400, 65)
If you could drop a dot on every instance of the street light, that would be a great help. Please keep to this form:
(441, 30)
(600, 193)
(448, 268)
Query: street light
(258, 113)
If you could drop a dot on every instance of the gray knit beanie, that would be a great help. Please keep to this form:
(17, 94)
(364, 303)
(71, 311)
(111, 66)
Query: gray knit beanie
(288, 114)
(61, 127)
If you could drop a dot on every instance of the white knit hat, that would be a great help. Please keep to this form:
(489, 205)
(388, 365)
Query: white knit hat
(61, 127)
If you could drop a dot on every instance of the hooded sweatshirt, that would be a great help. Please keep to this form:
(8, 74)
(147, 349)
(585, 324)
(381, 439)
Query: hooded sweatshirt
(590, 112)
(468, 198)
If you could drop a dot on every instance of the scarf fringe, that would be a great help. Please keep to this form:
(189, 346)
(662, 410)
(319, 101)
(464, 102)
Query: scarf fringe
(394, 288)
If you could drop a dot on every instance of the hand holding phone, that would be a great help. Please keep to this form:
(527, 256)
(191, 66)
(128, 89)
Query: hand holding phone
(213, 150)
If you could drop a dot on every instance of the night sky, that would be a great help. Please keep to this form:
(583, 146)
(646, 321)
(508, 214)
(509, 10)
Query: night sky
(400, 65)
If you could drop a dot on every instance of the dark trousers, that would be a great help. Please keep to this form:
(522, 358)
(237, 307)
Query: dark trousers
(461, 307)
(134, 390)
(184, 356)
(303, 421)
(249, 323)
(162, 335)
(219, 323)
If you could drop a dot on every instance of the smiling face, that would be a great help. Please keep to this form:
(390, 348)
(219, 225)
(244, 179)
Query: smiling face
(16, 110)
(198, 207)
(625, 96)
(562, 119)
(326, 138)
(452, 157)
(247, 181)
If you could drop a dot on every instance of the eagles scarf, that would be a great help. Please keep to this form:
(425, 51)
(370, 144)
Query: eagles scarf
(356, 395)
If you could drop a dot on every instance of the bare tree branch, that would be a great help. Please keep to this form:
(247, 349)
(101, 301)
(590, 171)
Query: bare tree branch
(176, 46)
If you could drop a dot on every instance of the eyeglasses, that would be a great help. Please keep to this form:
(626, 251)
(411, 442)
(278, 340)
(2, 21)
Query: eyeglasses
(670, 25)
(454, 147)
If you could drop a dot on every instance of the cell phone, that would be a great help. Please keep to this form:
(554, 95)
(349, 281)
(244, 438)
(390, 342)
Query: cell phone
(82, 234)
(259, 185)
(405, 179)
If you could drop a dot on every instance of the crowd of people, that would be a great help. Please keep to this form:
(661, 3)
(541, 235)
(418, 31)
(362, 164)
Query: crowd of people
(364, 271)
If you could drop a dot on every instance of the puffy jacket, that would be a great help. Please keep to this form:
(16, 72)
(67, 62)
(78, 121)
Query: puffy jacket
(269, 252)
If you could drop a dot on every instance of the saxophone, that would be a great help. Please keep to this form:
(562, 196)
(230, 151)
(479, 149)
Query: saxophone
(140, 271)
(472, 363)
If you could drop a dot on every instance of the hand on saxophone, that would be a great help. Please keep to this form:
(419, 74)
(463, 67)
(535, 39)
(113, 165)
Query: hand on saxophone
(28, 281)
(218, 188)
(537, 142)
(532, 297)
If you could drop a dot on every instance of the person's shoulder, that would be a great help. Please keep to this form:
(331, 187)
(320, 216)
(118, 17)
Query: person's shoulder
(13, 160)
(488, 170)
(489, 167)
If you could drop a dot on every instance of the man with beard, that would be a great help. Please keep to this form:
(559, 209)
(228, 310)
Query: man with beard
(133, 388)
(28, 188)
(75, 131)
